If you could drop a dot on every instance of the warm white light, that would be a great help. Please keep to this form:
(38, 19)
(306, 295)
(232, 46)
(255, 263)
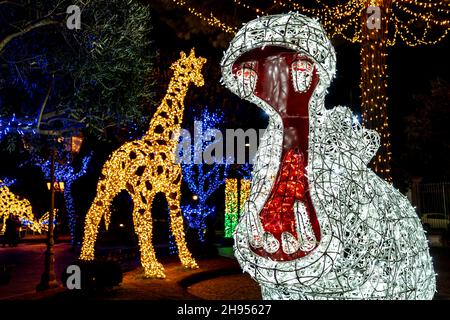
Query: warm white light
(21, 208)
(145, 167)
(76, 144)
(57, 186)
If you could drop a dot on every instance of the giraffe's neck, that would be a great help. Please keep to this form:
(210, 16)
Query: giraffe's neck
(168, 117)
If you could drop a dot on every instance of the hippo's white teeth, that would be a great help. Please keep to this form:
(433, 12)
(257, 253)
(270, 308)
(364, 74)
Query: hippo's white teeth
(255, 241)
(308, 244)
(270, 243)
(305, 231)
(289, 244)
(255, 238)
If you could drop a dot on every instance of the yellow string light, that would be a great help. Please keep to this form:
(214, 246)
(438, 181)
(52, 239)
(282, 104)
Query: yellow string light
(246, 6)
(145, 167)
(234, 203)
(341, 18)
(231, 206)
(42, 225)
(347, 21)
(211, 20)
(245, 192)
(21, 208)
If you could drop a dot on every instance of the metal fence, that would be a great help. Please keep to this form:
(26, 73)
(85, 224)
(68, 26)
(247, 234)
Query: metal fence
(431, 197)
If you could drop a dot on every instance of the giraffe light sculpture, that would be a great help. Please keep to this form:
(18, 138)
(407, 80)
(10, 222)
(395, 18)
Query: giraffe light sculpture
(318, 223)
(145, 167)
(11, 203)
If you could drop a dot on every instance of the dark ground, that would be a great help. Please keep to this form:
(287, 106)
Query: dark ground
(218, 278)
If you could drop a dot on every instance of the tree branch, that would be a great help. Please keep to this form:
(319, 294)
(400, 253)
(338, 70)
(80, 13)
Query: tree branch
(11, 3)
(27, 29)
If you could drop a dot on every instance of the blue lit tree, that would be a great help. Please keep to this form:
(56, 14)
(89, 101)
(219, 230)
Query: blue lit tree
(56, 81)
(7, 182)
(67, 173)
(62, 80)
(203, 179)
(245, 171)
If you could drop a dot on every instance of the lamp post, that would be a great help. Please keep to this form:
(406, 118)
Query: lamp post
(48, 278)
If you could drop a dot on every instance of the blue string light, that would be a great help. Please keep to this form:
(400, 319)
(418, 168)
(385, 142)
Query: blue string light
(203, 179)
(245, 171)
(7, 182)
(65, 172)
(14, 125)
(173, 250)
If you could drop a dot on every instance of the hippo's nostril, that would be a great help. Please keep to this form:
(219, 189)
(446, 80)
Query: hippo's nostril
(246, 79)
(301, 74)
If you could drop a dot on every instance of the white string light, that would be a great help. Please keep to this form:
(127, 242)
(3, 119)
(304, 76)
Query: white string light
(372, 244)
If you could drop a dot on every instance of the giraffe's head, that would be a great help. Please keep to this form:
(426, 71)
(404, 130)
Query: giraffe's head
(190, 67)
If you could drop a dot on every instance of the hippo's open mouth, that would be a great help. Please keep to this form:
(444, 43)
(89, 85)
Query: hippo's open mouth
(285, 80)
(291, 229)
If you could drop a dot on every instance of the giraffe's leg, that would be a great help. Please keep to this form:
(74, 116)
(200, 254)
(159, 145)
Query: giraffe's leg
(177, 227)
(4, 223)
(143, 227)
(100, 208)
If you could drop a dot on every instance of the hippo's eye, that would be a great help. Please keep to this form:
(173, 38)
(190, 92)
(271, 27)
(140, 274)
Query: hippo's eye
(301, 73)
(246, 78)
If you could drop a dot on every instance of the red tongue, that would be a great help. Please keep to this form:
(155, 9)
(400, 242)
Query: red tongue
(277, 215)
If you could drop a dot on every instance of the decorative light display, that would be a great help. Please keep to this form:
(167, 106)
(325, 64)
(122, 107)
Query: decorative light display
(14, 125)
(243, 194)
(234, 202)
(20, 207)
(203, 179)
(211, 20)
(318, 223)
(345, 19)
(414, 22)
(7, 182)
(172, 245)
(231, 206)
(66, 173)
(145, 167)
(41, 225)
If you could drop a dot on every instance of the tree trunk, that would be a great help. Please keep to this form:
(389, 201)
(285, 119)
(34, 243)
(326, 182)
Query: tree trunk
(374, 102)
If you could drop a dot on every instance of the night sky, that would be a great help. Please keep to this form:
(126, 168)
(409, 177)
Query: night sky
(410, 69)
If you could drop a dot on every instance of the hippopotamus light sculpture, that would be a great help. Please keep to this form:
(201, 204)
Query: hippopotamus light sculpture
(318, 223)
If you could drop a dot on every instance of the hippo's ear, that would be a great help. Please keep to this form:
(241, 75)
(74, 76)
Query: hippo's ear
(364, 143)
(372, 141)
